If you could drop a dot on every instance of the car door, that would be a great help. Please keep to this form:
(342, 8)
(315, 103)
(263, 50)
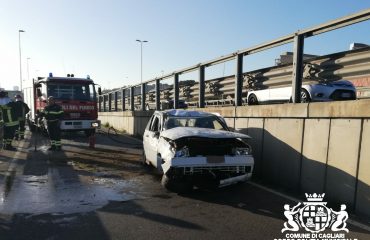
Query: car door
(146, 135)
(262, 95)
(152, 137)
(281, 94)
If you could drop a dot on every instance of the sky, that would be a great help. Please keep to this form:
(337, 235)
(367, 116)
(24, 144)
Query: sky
(98, 37)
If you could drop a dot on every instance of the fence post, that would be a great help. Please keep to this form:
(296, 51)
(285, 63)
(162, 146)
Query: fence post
(99, 103)
(201, 86)
(239, 80)
(104, 103)
(297, 68)
(157, 94)
(132, 98)
(115, 101)
(109, 102)
(143, 97)
(123, 99)
(176, 91)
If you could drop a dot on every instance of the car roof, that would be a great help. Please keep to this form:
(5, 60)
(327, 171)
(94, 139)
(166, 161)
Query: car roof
(185, 113)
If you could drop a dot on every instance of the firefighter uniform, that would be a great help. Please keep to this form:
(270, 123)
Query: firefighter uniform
(11, 123)
(23, 108)
(3, 101)
(53, 114)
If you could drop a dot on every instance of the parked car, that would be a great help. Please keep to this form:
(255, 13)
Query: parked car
(167, 105)
(193, 148)
(318, 92)
(170, 104)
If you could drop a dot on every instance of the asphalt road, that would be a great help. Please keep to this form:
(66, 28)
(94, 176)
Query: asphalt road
(105, 193)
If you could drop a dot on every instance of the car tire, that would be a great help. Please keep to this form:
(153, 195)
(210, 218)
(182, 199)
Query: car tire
(305, 96)
(252, 100)
(178, 185)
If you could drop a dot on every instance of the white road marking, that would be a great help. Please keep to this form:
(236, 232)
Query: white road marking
(350, 221)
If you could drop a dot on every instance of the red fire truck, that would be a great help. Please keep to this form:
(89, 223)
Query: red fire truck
(77, 96)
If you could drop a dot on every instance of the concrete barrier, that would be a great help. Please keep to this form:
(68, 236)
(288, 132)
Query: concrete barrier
(342, 162)
(363, 180)
(315, 147)
(314, 155)
(281, 158)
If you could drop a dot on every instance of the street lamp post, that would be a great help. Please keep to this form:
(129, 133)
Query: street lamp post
(28, 70)
(20, 57)
(141, 57)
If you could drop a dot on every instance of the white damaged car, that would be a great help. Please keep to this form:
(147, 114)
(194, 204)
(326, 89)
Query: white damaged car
(195, 148)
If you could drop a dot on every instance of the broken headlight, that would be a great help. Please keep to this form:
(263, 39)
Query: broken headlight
(183, 152)
(242, 150)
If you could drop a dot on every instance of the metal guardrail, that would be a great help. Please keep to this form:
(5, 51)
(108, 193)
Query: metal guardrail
(229, 90)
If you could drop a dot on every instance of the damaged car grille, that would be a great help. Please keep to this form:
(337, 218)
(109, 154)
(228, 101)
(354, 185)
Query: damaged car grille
(199, 146)
(203, 170)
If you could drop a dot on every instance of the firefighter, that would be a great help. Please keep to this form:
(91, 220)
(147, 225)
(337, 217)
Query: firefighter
(10, 117)
(24, 109)
(53, 114)
(3, 101)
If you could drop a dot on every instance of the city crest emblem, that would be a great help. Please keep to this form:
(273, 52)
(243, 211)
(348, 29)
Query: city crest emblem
(314, 216)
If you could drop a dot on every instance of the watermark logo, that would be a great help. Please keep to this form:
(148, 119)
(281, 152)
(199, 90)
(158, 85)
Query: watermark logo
(314, 216)
(308, 220)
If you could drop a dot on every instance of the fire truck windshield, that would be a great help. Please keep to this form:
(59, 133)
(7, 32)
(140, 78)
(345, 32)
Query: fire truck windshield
(80, 91)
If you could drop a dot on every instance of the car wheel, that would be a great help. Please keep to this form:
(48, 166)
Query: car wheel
(252, 100)
(178, 185)
(305, 96)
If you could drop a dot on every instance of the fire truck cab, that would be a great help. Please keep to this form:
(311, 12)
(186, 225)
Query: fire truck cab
(76, 96)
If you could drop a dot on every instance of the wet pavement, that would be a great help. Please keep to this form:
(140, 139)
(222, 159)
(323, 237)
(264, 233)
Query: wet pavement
(77, 179)
(105, 193)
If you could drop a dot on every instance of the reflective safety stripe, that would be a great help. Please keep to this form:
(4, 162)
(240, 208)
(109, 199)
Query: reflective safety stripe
(11, 124)
(9, 115)
(51, 112)
(58, 143)
(52, 142)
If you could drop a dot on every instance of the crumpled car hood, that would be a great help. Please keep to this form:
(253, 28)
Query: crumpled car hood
(180, 132)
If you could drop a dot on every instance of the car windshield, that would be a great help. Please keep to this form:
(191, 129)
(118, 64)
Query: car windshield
(212, 122)
(83, 92)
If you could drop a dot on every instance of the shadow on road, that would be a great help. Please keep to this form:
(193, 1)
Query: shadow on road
(133, 208)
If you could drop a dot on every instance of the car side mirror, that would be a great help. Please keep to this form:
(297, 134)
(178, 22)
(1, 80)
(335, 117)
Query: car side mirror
(156, 134)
